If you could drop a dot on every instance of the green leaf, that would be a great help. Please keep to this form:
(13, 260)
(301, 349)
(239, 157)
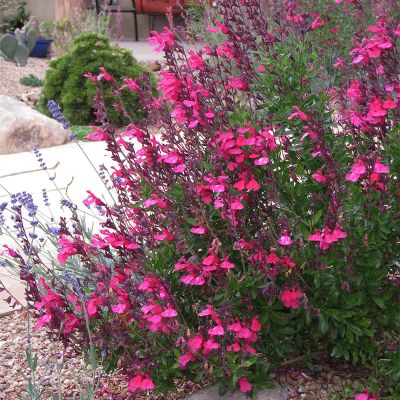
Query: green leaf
(222, 389)
(323, 323)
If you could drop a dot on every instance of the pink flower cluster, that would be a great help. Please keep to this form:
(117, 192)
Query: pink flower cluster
(374, 178)
(198, 273)
(327, 236)
(242, 336)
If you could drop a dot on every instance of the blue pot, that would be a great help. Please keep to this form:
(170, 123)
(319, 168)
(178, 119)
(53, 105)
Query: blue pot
(41, 48)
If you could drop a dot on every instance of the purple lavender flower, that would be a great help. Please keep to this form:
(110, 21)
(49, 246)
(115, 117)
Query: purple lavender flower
(73, 280)
(68, 204)
(3, 206)
(39, 157)
(55, 110)
(45, 198)
(53, 230)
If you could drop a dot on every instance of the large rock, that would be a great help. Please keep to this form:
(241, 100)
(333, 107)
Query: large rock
(211, 393)
(23, 129)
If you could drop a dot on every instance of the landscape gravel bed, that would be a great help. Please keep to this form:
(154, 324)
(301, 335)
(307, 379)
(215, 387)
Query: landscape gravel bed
(301, 384)
(10, 74)
(14, 366)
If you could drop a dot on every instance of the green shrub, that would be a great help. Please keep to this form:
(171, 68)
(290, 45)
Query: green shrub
(31, 80)
(81, 131)
(66, 84)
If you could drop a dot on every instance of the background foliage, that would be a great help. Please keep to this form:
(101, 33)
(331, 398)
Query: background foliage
(65, 82)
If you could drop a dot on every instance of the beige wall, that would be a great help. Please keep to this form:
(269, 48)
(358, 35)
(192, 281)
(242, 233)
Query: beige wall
(45, 9)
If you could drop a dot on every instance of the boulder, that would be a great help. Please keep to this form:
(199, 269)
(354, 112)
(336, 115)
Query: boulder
(211, 393)
(23, 129)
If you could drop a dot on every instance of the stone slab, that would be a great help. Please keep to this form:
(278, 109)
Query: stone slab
(74, 175)
(211, 393)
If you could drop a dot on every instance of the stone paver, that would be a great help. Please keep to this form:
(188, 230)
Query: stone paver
(211, 393)
(21, 172)
(143, 51)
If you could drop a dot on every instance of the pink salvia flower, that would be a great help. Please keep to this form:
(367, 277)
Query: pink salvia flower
(262, 161)
(285, 240)
(92, 199)
(236, 83)
(226, 264)
(141, 382)
(237, 205)
(252, 185)
(366, 395)
(130, 84)
(357, 171)
(91, 77)
(97, 135)
(380, 168)
(298, 113)
(216, 331)
(67, 249)
(320, 177)
(42, 321)
(218, 28)
(163, 41)
(390, 104)
(196, 342)
(104, 74)
(255, 325)
(339, 63)
(244, 384)
(195, 61)
(290, 298)
(169, 313)
(185, 359)
(317, 23)
(179, 168)
(198, 230)
(209, 346)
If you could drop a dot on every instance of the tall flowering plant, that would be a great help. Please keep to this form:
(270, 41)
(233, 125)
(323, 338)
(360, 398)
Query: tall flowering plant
(256, 215)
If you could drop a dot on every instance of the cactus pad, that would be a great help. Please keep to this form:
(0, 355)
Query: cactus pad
(8, 46)
(21, 55)
(31, 38)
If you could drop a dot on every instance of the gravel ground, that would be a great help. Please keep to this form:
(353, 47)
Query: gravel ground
(10, 74)
(14, 365)
(326, 381)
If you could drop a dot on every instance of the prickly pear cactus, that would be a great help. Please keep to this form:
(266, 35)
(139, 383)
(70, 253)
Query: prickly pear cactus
(17, 48)
(19, 35)
(31, 38)
(21, 55)
(8, 46)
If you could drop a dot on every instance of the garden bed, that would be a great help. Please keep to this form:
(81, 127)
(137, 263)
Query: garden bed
(11, 74)
(13, 363)
(324, 383)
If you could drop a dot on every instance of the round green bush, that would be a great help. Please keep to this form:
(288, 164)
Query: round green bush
(66, 84)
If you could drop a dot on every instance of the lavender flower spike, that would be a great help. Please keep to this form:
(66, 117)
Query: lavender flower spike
(55, 110)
